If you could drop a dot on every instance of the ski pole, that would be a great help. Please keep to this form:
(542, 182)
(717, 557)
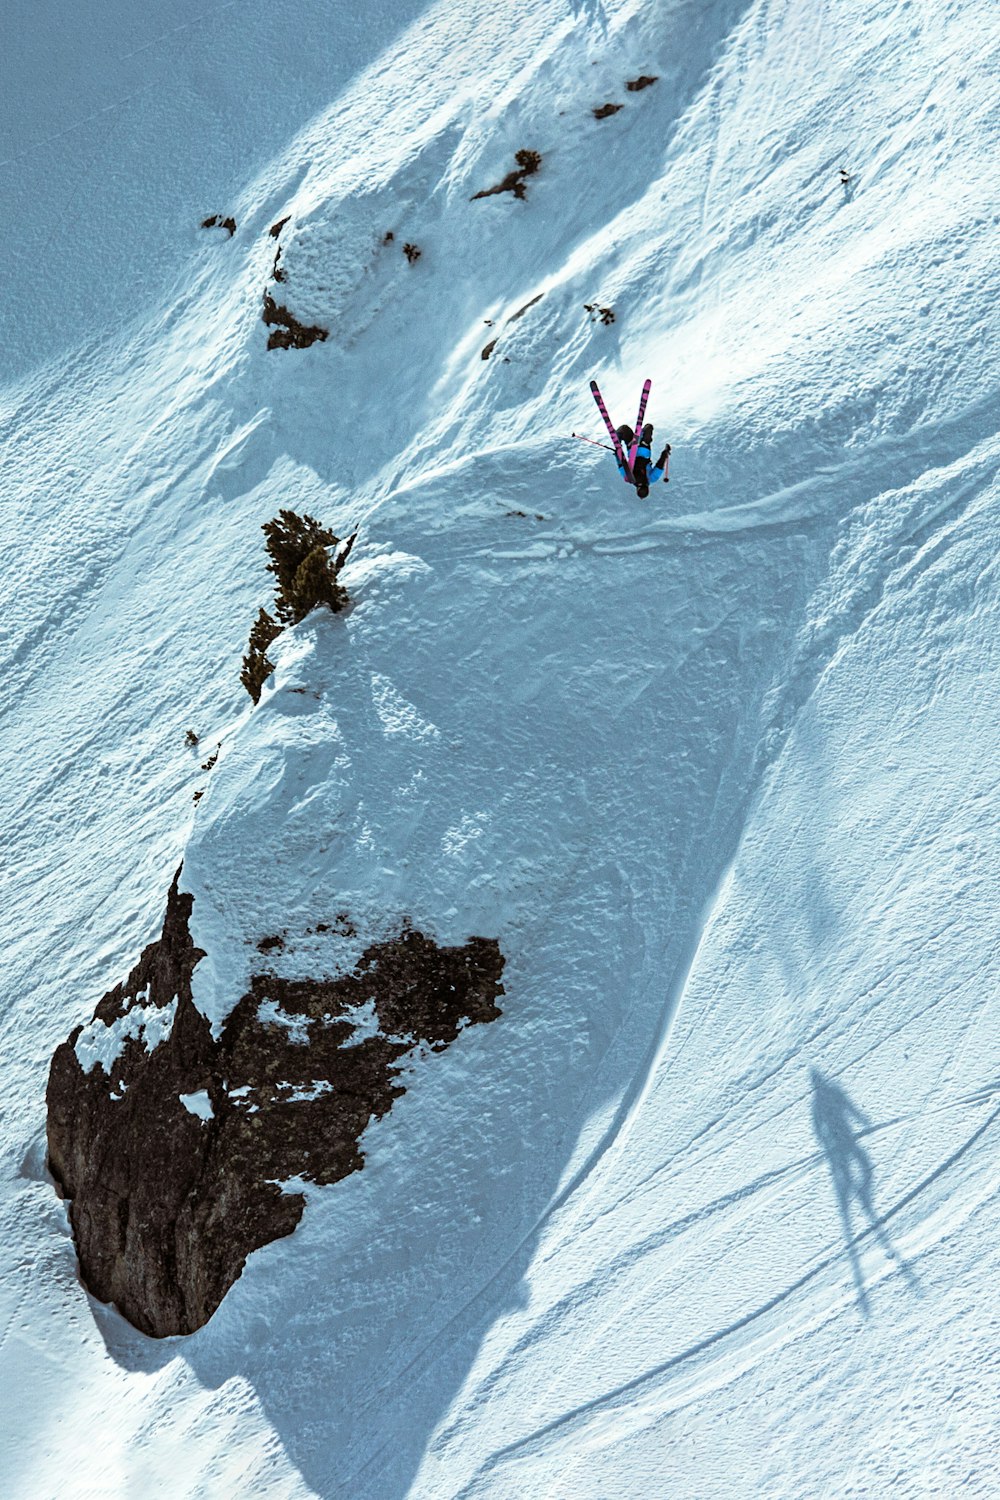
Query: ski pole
(607, 446)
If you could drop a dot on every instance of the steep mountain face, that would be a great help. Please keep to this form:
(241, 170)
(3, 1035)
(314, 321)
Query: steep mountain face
(711, 1208)
(174, 1145)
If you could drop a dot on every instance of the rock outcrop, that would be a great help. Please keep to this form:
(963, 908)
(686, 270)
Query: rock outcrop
(171, 1144)
(288, 333)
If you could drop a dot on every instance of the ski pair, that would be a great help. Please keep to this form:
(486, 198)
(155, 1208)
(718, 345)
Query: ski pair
(627, 460)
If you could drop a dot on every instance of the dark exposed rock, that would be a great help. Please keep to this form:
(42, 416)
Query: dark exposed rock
(605, 110)
(635, 85)
(170, 1197)
(488, 349)
(216, 221)
(522, 310)
(412, 252)
(276, 229)
(342, 924)
(289, 332)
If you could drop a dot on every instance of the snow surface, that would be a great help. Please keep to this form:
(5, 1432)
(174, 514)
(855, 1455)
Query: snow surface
(101, 1045)
(711, 1210)
(198, 1104)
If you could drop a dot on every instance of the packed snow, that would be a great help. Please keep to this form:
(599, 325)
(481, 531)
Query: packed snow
(711, 1209)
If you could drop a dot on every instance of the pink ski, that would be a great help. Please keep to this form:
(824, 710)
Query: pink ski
(619, 450)
(633, 446)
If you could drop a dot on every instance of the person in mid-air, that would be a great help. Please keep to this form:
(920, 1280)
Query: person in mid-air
(644, 476)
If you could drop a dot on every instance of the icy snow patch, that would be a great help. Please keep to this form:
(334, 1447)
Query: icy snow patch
(99, 1043)
(365, 1023)
(455, 840)
(305, 1093)
(396, 715)
(198, 1104)
(270, 1013)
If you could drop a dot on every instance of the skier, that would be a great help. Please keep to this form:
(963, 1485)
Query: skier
(633, 466)
(644, 476)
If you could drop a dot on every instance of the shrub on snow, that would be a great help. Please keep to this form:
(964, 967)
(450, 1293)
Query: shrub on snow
(306, 564)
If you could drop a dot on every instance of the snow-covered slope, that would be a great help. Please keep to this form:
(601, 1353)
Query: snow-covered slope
(709, 1209)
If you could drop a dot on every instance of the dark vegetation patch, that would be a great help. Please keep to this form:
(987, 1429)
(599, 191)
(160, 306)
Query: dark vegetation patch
(306, 564)
(528, 163)
(306, 559)
(273, 944)
(167, 1204)
(605, 314)
(257, 665)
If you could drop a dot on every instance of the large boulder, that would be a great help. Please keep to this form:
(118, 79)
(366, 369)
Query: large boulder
(172, 1144)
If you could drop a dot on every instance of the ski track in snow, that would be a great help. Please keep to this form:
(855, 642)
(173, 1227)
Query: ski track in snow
(709, 1209)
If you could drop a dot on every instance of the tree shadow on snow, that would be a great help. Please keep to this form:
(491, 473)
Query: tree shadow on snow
(839, 1125)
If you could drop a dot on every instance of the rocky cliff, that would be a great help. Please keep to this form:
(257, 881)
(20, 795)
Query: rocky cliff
(172, 1144)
